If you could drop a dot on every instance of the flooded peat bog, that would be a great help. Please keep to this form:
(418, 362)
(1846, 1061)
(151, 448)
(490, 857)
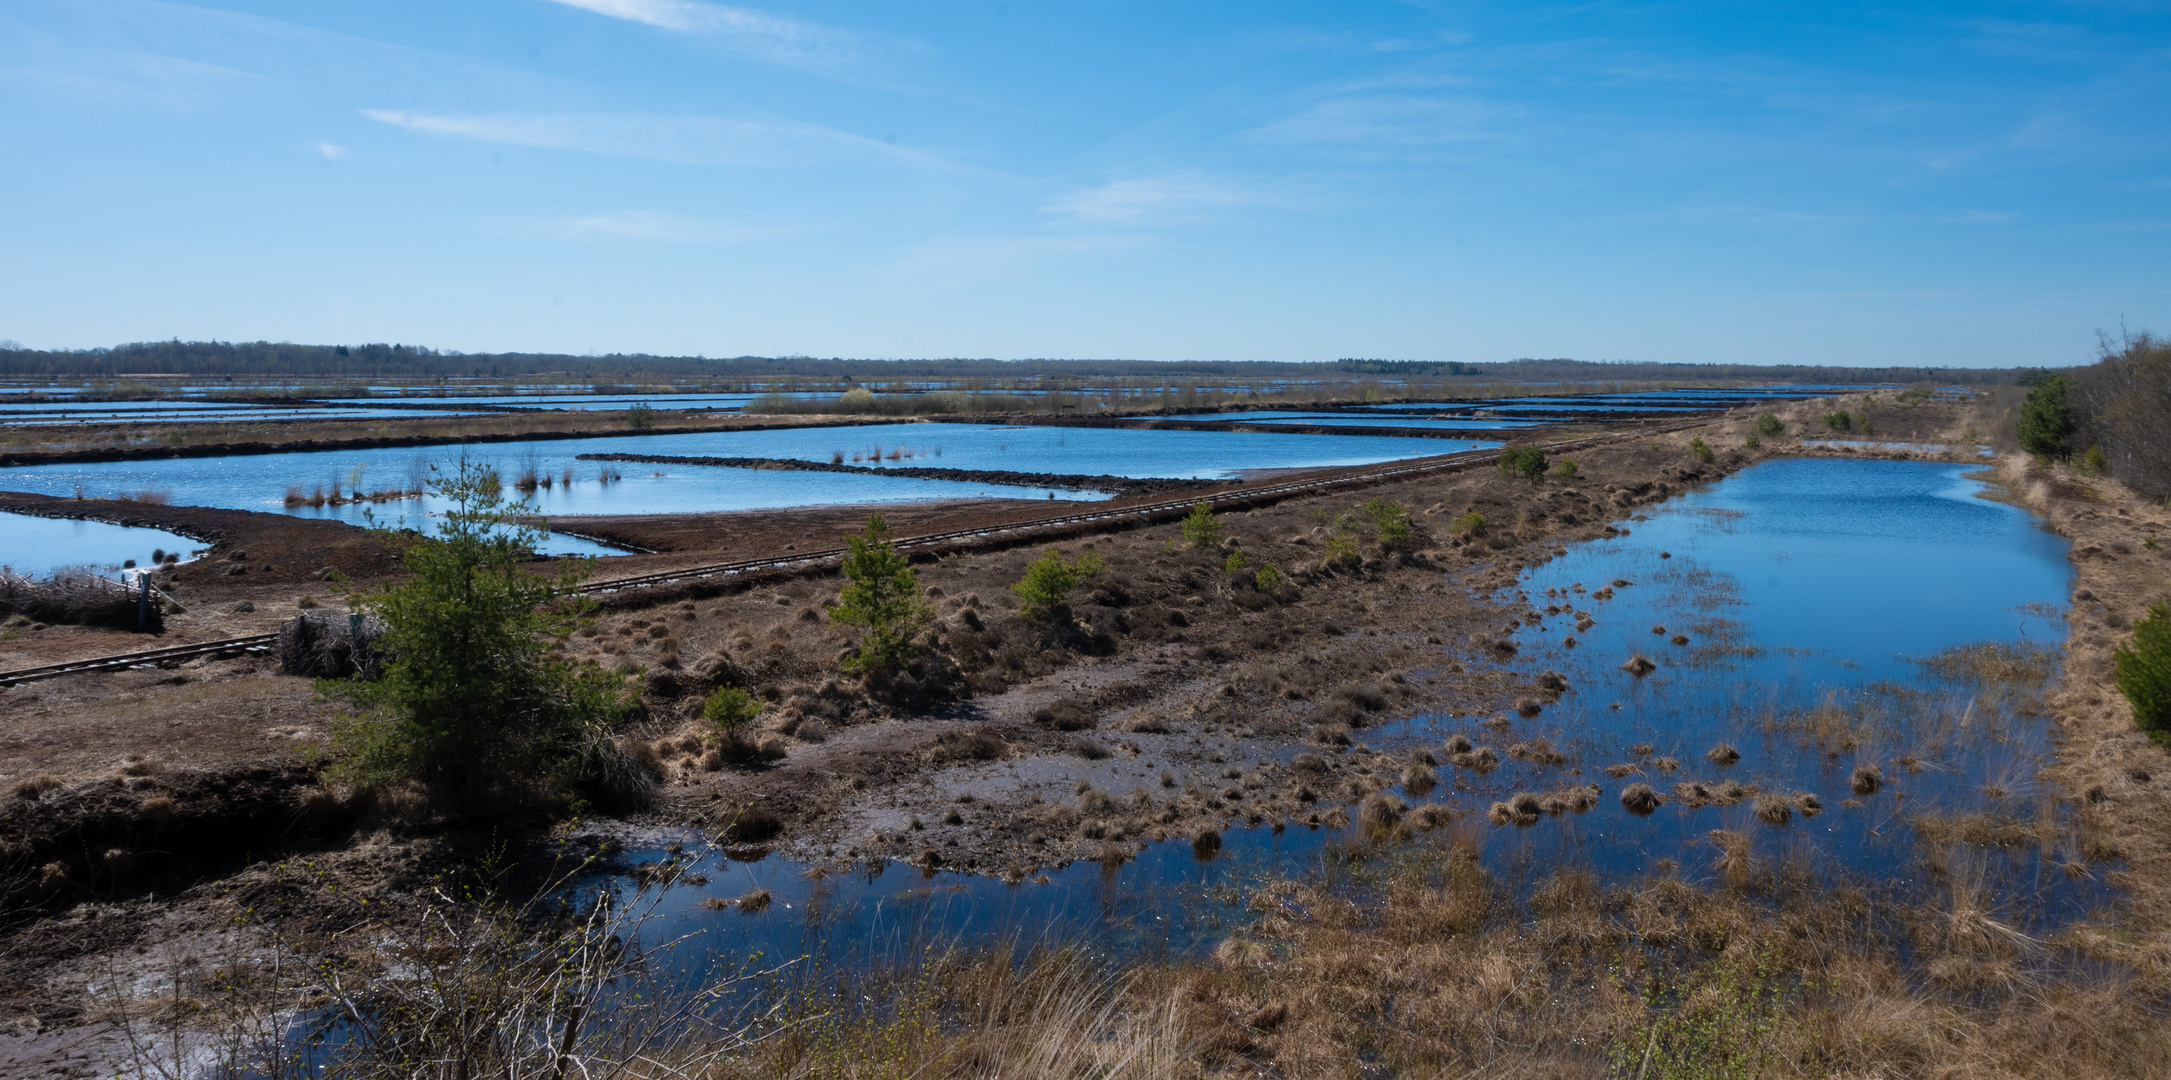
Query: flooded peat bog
(1844, 665)
(549, 476)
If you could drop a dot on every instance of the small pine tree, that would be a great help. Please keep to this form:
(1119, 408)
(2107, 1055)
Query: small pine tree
(1527, 462)
(730, 709)
(1566, 470)
(640, 417)
(1201, 529)
(1702, 450)
(2094, 463)
(1342, 551)
(1267, 579)
(881, 599)
(1753, 442)
(2046, 423)
(2143, 669)
(1391, 525)
(471, 699)
(1049, 579)
(1769, 426)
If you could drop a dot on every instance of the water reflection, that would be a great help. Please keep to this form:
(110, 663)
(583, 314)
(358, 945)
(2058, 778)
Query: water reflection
(1831, 615)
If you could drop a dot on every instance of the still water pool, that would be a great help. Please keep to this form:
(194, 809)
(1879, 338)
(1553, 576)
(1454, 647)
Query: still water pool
(37, 546)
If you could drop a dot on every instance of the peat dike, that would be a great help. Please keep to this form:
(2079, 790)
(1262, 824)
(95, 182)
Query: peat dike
(1113, 485)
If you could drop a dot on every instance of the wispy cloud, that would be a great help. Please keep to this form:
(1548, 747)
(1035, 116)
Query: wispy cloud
(773, 38)
(705, 140)
(331, 151)
(1154, 200)
(1762, 219)
(1398, 119)
(644, 226)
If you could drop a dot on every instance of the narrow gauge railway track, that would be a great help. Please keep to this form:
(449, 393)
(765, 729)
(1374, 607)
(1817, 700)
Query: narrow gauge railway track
(1141, 514)
(145, 658)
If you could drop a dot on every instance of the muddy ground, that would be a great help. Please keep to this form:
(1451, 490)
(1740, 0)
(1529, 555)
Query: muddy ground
(1174, 697)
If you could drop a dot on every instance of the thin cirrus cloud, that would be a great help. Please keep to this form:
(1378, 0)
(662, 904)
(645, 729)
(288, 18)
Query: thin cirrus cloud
(1401, 120)
(754, 33)
(642, 226)
(699, 140)
(1154, 200)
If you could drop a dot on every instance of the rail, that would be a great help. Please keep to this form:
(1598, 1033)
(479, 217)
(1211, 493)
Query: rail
(147, 657)
(1137, 514)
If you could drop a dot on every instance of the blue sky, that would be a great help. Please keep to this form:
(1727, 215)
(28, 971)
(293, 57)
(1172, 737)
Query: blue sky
(1769, 183)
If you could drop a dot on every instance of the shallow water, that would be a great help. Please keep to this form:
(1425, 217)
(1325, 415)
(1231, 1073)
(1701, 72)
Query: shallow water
(1802, 583)
(1445, 423)
(37, 546)
(1811, 591)
(260, 481)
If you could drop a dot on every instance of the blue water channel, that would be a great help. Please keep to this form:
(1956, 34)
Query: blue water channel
(1800, 583)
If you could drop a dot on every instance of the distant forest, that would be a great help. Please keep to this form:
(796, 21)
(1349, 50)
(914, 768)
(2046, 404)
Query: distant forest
(279, 360)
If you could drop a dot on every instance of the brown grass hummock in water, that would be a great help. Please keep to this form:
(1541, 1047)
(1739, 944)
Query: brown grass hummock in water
(1206, 844)
(1773, 810)
(1866, 779)
(1639, 799)
(1419, 779)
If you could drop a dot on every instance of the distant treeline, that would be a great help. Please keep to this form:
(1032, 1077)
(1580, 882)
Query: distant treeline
(1565, 370)
(280, 360)
(2113, 416)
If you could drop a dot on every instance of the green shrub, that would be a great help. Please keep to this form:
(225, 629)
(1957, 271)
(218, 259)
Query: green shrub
(1566, 470)
(1470, 524)
(858, 399)
(2093, 463)
(1768, 425)
(730, 709)
(1268, 579)
(881, 598)
(1391, 524)
(640, 417)
(1201, 529)
(1753, 442)
(471, 700)
(1839, 421)
(1527, 462)
(1342, 551)
(1049, 579)
(2143, 668)
(1236, 561)
(2046, 422)
(1702, 450)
